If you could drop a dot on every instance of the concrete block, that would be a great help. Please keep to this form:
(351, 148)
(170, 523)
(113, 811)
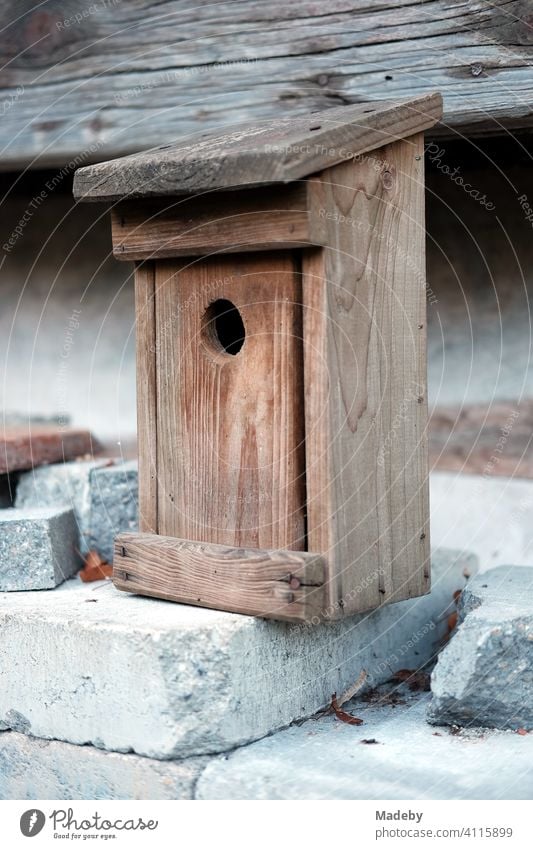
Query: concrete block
(103, 497)
(484, 676)
(327, 759)
(37, 548)
(42, 769)
(164, 680)
(61, 484)
(114, 505)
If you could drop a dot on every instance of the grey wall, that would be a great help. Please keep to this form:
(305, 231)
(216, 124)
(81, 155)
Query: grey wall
(480, 271)
(50, 363)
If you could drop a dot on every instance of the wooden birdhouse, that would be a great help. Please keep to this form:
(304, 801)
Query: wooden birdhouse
(281, 371)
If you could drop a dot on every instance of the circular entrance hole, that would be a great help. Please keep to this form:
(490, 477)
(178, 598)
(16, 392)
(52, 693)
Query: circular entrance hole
(223, 327)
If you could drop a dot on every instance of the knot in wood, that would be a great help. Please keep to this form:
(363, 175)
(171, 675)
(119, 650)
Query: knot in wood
(388, 180)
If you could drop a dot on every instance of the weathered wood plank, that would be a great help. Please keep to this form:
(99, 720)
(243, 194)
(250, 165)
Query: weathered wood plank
(273, 220)
(145, 347)
(365, 377)
(258, 154)
(131, 75)
(230, 439)
(479, 439)
(286, 585)
(37, 445)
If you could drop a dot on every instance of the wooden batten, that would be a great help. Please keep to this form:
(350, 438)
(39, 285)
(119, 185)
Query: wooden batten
(286, 585)
(146, 364)
(229, 222)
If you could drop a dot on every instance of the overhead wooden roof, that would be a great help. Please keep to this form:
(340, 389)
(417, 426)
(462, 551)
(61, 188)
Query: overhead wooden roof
(274, 151)
(130, 76)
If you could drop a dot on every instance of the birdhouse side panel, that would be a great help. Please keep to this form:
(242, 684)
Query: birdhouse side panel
(365, 379)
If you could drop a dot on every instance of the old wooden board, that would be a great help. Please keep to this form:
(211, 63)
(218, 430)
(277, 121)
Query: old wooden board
(479, 439)
(364, 360)
(279, 584)
(230, 438)
(221, 221)
(28, 447)
(125, 76)
(278, 151)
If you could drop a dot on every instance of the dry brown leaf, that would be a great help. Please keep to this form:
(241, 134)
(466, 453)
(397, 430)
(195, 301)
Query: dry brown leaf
(452, 622)
(415, 680)
(342, 714)
(95, 568)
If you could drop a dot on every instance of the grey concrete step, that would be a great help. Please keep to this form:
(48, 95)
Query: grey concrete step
(89, 664)
(395, 754)
(327, 759)
(31, 768)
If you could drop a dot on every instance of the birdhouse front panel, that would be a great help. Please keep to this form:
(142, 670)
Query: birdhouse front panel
(230, 406)
(281, 337)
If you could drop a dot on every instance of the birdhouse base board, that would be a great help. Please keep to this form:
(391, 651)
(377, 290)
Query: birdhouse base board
(284, 585)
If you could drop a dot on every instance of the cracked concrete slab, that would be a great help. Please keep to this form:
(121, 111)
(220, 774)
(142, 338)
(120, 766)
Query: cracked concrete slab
(484, 676)
(89, 664)
(31, 768)
(395, 754)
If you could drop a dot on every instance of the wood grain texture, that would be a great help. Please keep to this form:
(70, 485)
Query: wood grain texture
(279, 151)
(137, 74)
(286, 585)
(146, 395)
(271, 219)
(230, 445)
(36, 445)
(365, 377)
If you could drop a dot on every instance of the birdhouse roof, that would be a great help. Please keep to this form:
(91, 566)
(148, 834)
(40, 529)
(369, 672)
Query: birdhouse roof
(258, 154)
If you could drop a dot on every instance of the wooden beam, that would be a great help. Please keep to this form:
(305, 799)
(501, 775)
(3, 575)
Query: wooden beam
(287, 585)
(131, 76)
(491, 440)
(36, 445)
(223, 221)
